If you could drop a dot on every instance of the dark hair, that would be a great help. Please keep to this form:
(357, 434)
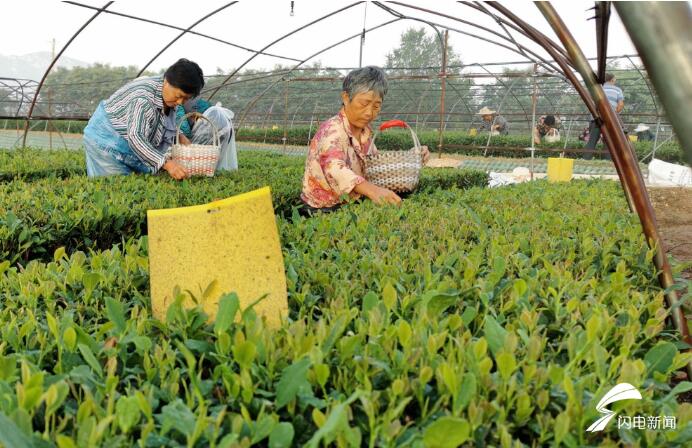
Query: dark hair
(549, 120)
(186, 76)
(609, 77)
(364, 80)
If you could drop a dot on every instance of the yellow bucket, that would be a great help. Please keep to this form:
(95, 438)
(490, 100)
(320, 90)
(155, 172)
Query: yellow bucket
(560, 169)
(633, 137)
(473, 132)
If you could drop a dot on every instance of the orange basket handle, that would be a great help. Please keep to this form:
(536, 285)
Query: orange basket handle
(400, 124)
(393, 124)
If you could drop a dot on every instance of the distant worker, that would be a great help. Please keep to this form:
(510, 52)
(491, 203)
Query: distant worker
(617, 101)
(643, 133)
(492, 121)
(548, 126)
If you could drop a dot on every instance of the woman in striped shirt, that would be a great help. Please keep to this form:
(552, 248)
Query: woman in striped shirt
(133, 129)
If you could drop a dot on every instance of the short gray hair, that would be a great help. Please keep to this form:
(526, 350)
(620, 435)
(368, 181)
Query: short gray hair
(365, 79)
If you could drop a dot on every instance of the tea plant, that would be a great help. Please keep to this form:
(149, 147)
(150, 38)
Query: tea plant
(80, 213)
(479, 317)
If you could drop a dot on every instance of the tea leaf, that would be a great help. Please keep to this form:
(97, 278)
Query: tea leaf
(115, 313)
(446, 432)
(370, 301)
(245, 353)
(11, 436)
(281, 436)
(389, 296)
(177, 415)
(228, 307)
(69, 337)
(293, 379)
(89, 357)
(467, 391)
(91, 280)
(660, 357)
(506, 364)
(127, 413)
(494, 334)
(59, 253)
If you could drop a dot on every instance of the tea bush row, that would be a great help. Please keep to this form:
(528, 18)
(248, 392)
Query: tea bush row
(80, 213)
(458, 318)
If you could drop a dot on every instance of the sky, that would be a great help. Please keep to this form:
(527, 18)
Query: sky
(256, 23)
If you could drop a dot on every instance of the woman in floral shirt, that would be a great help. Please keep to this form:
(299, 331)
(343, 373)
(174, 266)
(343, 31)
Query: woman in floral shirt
(335, 166)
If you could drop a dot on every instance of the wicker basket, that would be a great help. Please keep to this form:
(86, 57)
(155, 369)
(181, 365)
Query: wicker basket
(198, 160)
(395, 170)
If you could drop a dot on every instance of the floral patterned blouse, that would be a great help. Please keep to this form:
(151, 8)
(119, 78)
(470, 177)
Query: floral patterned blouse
(335, 163)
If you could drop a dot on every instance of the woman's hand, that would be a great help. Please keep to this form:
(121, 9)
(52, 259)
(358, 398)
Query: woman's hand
(425, 152)
(175, 170)
(184, 140)
(378, 195)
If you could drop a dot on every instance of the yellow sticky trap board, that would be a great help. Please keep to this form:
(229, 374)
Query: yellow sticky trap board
(234, 242)
(559, 169)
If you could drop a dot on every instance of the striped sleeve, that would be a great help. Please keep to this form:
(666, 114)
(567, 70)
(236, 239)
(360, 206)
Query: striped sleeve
(140, 114)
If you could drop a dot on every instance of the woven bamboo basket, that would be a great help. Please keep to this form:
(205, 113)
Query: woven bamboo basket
(198, 160)
(395, 170)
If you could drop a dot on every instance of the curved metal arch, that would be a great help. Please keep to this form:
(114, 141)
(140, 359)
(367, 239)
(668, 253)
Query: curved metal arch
(520, 29)
(182, 33)
(216, 89)
(254, 100)
(17, 89)
(154, 22)
(50, 67)
(646, 81)
(504, 28)
(538, 59)
(461, 98)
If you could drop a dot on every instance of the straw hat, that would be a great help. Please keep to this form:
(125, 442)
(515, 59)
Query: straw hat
(641, 127)
(486, 111)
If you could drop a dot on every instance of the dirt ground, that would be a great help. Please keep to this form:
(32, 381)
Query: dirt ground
(674, 215)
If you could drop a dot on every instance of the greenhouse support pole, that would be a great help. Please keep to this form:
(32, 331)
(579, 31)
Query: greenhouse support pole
(443, 83)
(362, 37)
(50, 102)
(285, 138)
(569, 129)
(533, 115)
(658, 126)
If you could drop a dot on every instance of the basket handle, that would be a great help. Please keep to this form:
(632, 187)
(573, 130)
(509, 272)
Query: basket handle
(400, 124)
(393, 124)
(216, 139)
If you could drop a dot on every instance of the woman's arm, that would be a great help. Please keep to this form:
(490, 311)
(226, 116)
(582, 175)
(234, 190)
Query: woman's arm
(140, 116)
(377, 194)
(343, 180)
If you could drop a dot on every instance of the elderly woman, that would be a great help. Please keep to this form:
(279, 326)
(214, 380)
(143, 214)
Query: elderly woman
(132, 130)
(334, 169)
